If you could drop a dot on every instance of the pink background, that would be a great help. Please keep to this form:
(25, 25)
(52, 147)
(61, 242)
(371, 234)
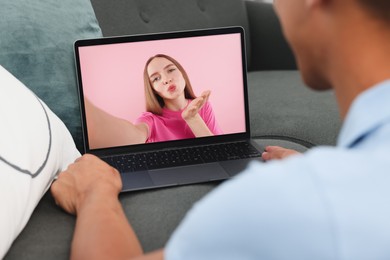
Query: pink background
(112, 75)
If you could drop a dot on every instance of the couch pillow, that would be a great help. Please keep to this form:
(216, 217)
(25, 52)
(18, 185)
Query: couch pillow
(34, 146)
(36, 45)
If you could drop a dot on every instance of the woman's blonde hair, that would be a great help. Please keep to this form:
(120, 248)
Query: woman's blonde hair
(155, 103)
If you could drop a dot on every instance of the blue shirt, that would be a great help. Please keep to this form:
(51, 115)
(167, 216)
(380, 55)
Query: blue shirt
(330, 203)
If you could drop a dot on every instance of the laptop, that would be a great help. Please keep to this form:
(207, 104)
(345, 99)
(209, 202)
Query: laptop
(167, 109)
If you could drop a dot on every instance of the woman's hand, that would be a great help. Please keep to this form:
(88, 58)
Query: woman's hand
(195, 105)
(277, 153)
(192, 117)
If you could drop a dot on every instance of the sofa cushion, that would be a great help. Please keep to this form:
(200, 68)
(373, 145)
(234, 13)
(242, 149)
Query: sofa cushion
(36, 45)
(34, 146)
(282, 107)
(123, 17)
(270, 50)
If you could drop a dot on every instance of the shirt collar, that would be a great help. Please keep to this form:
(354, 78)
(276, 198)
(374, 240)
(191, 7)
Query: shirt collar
(370, 110)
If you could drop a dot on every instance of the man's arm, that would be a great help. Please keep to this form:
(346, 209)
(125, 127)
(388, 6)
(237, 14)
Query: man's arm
(89, 189)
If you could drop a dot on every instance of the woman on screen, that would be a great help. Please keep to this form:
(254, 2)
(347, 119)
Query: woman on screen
(173, 110)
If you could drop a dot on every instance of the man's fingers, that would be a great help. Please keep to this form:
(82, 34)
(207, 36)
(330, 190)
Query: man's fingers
(56, 190)
(277, 152)
(78, 159)
(265, 156)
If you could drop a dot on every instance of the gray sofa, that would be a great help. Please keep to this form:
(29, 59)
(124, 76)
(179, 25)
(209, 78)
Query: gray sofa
(282, 111)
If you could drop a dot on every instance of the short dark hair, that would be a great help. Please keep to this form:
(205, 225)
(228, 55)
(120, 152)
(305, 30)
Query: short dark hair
(379, 8)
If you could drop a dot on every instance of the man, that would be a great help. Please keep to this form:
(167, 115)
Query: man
(331, 203)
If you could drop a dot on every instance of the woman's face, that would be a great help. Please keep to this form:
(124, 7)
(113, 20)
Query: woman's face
(166, 79)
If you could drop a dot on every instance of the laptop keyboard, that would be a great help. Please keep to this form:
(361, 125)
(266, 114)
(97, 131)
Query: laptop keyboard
(182, 156)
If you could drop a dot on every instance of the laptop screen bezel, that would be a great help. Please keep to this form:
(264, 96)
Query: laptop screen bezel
(167, 144)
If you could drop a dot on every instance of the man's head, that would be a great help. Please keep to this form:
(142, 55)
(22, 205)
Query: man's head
(322, 32)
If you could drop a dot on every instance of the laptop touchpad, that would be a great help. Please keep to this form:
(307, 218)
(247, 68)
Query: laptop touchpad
(188, 174)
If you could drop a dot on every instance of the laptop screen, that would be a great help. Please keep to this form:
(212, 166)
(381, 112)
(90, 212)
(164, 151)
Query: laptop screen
(137, 90)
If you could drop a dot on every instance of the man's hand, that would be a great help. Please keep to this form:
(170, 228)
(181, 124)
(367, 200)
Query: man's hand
(193, 108)
(87, 179)
(89, 188)
(277, 153)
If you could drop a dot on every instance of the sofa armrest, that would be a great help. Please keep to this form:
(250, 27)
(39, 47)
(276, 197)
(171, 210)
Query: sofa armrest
(269, 49)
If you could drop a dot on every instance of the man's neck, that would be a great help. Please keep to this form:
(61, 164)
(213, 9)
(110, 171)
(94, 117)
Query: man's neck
(361, 60)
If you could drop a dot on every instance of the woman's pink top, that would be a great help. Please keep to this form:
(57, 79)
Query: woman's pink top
(171, 126)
